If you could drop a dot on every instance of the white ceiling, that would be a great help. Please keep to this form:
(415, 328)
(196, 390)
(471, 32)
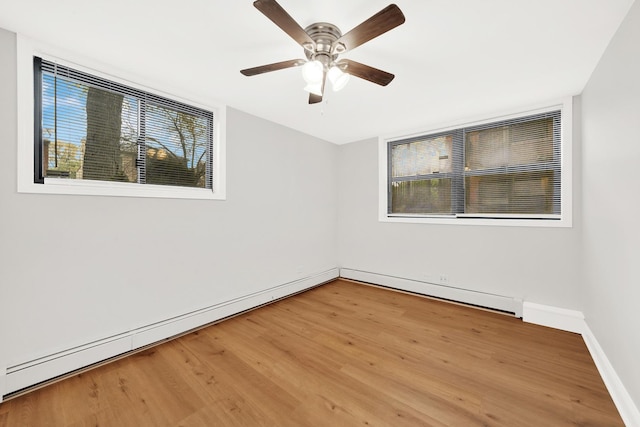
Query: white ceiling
(453, 59)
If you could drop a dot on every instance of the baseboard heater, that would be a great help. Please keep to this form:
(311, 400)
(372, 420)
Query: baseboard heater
(29, 375)
(466, 296)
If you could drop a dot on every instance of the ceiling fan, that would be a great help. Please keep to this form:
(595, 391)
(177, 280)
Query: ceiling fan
(322, 43)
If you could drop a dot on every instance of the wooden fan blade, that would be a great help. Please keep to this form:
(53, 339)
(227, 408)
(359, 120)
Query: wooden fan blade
(272, 10)
(272, 67)
(366, 72)
(383, 21)
(314, 99)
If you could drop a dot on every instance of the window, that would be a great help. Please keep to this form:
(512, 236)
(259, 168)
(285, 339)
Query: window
(97, 134)
(501, 170)
(89, 128)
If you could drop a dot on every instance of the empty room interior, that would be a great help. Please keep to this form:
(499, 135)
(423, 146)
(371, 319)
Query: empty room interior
(319, 213)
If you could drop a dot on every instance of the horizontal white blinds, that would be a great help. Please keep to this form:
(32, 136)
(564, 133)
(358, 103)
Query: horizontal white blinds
(425, 174)
(96, 129)
(508, 167)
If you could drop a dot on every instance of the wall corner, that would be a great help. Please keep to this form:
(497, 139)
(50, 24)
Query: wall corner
(553, 317)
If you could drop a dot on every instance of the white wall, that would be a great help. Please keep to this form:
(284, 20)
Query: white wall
(611, 202)
(65, 282)
(79, 268)
(8, 133)
(533, 264)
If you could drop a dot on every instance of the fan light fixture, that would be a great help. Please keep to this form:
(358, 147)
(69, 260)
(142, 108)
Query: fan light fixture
(312, 72)
(314, 88)
(338, 78)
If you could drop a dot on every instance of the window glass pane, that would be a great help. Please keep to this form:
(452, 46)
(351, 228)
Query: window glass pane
(88, 133)
(512, 193)
(176, 147)
(424, 157)
(505, 167)
(516, 144)
(429, 196)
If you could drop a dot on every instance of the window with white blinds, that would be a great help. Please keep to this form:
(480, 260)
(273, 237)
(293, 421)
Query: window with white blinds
(91, 128)
(502, 169)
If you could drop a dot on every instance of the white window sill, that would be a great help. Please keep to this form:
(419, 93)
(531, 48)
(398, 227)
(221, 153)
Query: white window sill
(104, 188)
(494, 221)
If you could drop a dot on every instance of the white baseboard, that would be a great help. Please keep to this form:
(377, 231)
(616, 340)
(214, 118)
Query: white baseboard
(467, 296)
(49, 367)
(32, 372)
(553, 317)
(628, 410)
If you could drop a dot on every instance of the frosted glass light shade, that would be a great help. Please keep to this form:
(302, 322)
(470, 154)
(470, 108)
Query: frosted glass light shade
(312, 72)
(338, 79)
(315, 88)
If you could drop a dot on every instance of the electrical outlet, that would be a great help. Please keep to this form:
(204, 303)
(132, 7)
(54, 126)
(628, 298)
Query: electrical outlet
(444, 279)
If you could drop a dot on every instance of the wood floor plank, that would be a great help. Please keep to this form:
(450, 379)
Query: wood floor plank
(343, 354)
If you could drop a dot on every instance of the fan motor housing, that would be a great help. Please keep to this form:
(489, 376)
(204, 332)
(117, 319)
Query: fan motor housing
(324, 35)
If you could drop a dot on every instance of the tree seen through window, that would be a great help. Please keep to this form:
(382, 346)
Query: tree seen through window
(94, 133)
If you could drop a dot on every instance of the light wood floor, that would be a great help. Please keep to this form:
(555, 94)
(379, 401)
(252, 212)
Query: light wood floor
(343, 354)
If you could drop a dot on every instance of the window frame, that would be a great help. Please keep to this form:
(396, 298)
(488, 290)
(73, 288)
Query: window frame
(27, 49)
(563, 220)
